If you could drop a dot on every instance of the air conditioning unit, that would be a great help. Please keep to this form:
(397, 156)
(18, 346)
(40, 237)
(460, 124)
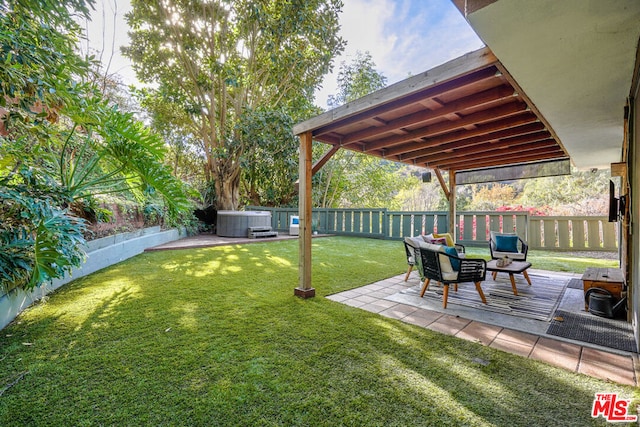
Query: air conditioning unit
(294, 225)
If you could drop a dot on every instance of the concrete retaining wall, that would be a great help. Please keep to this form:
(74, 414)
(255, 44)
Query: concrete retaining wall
(101, 253)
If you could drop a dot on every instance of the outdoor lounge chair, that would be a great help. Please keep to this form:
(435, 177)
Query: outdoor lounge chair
(445, 268)
(411, 243)
(509, 245)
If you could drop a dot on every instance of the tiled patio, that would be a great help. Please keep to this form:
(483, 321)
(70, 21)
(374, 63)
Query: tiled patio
(522, 337)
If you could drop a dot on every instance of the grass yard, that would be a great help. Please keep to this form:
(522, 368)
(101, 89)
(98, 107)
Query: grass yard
(215, 337)
(570, 262)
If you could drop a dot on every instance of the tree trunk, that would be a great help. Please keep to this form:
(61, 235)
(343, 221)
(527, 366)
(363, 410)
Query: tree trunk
(227, 186)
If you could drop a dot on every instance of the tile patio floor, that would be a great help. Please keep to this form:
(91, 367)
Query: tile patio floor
(523, 337)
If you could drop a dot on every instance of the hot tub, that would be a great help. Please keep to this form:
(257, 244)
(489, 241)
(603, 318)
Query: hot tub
(236, 223)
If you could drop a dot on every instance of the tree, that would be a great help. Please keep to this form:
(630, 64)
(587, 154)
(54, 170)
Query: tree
(184, 149)
(581, 193)
(214, 60)
(418, 195)
(357, 79)
(270, 163)
(60, 143)
(488, 197)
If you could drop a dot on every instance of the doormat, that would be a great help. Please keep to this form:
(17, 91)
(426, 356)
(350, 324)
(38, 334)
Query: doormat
(575, 284)
(538, 301)
(592, 329)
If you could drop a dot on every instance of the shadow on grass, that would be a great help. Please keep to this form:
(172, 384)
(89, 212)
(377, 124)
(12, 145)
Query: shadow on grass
(215, 337)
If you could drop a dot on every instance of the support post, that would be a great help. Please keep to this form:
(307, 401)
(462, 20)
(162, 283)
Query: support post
(304, 288)
(452, 204)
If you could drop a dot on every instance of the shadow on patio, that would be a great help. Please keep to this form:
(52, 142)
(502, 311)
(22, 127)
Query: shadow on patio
(518, 325)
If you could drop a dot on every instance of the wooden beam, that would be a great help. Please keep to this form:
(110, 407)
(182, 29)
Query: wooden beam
(501, 156)
(430, 93)
(483, 98)
(480, 142)
(443, 184)
(559, 154)
(490, 115)
(619, 169)
(452, 205)
(486, 147)
(324, 159)
(466, 64)
(417, 149)
(304, 288)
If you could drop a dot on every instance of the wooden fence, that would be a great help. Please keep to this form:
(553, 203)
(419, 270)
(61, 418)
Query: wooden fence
(563, 233)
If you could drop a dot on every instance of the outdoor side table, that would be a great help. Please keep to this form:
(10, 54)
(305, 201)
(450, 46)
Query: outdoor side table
(610, 279)
(516, 267)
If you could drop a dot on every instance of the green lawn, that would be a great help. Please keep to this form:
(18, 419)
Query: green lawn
(216, 337)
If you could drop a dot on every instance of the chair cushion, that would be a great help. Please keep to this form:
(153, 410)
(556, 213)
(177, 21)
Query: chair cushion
(450, 276)
(445, 264)
(506, 243)
(516, 256)
(413, 241)
(455, 264)
(430, 246)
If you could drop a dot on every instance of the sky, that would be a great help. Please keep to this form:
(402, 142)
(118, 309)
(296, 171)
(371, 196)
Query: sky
(404, 37)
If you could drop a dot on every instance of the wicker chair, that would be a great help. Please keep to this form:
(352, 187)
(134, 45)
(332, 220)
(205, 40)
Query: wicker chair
(412, 243)
(435, 264)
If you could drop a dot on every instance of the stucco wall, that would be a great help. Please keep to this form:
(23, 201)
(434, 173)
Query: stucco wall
(101, 253)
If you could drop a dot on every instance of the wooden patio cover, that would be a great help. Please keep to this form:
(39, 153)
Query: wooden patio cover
(463, 115)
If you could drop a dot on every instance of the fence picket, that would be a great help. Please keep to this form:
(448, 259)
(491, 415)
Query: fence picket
(534, 235)
(563, 234)
(467, 228)
(366, 223)
(395, 226)
(357, 222)
(549, 230)
(578, 234)
(507, 224)
(593, 234)
(481, 228)
(376, 220)
(609, 236)
(541, 232)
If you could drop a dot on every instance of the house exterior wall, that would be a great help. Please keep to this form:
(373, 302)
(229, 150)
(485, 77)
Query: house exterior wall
(634, 189)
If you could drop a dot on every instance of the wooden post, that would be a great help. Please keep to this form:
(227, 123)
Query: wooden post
(452, 205)
(304, 288)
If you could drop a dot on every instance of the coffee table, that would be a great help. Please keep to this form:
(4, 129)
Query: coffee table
(516, 267)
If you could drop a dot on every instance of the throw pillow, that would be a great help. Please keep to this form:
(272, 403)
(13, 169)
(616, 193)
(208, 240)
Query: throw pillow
(446, 236)
(455, 263)
(430, 238)
(506, 243)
